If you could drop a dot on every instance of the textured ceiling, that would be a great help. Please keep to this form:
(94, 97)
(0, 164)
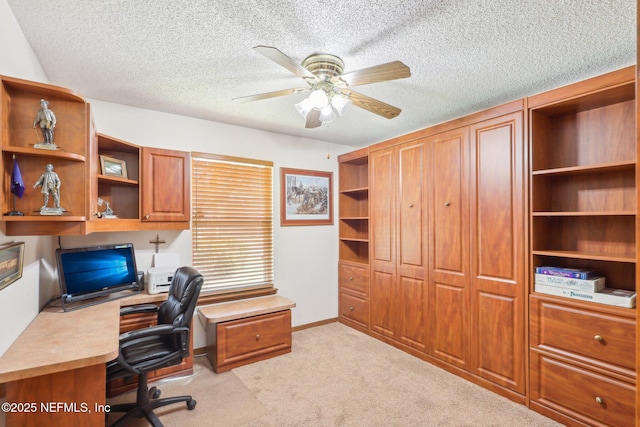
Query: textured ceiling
(191, 57)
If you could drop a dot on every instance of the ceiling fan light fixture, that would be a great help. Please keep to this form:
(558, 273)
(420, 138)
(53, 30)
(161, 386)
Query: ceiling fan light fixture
(319, 99)
(327, 115)
(341, 103)
(304, 107)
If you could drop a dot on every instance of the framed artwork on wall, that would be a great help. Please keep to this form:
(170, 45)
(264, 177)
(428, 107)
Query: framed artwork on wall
(11, 262)
(305, 197)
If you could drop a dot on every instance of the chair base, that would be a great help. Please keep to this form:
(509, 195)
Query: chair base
(147, 400)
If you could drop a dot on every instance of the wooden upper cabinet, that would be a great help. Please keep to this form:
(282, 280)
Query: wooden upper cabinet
(166, 194)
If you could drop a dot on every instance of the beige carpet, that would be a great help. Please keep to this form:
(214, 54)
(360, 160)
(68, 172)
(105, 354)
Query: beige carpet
(336, 376)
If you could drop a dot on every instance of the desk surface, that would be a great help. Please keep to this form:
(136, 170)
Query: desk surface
(57, 341)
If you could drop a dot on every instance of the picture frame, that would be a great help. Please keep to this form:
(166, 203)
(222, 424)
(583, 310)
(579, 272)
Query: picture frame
(113, 167)
(306, 197)
(11, 263)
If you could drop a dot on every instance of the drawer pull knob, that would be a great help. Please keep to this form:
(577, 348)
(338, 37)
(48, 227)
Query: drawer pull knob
(599, 338)
(600, 400)
(447, 203)
(257, 337)
(351, 278)
(351, 308)
(410, 205)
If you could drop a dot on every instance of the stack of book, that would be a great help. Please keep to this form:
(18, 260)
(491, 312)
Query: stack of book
(584, 285)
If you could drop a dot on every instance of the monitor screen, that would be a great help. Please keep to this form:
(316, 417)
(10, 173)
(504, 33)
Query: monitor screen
(92, 271)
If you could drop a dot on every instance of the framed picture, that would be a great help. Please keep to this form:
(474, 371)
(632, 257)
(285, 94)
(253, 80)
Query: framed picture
(11, 261)
(305, 197)
(113, 167)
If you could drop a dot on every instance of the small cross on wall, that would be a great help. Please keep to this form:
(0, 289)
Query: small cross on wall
(157, 242)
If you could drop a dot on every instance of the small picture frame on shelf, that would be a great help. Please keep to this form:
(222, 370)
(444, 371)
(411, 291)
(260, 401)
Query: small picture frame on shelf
(113, 167)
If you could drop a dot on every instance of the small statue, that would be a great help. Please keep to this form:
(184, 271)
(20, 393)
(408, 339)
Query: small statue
(47, 121)
(50, 183)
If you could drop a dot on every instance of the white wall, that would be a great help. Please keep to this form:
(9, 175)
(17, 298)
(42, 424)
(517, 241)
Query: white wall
(306, 258)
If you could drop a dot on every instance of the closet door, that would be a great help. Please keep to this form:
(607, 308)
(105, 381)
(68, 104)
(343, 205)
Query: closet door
(497, 242)
(449, 247)
(382, 184)
(411, 298)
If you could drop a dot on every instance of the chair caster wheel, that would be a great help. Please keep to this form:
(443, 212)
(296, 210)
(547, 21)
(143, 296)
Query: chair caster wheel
(155, 392)
(191, 404)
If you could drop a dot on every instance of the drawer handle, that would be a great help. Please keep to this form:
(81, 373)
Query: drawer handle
(257, 337)
(600, 400)
(351, 308)
(351, 278)
(447, 203)
(411, 205)
(599, 338)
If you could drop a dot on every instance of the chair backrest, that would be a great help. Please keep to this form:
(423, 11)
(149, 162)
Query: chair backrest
(183, 295)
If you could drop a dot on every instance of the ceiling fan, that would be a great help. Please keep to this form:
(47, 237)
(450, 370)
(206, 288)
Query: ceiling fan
(329, 87)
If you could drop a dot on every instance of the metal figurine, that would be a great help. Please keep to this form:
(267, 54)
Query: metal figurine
(50, 185)
(47, 122)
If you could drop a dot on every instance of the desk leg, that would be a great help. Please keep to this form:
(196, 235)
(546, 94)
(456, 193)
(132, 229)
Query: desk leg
(69, 398)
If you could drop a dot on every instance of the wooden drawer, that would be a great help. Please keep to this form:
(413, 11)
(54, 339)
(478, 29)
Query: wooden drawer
(243, 341)
(354, 278)
(354, 310)
(587, 396)
(591, 337)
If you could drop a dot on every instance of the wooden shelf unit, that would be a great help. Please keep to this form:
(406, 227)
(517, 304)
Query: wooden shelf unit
(353, 268)
(583, 215)
(20, 103)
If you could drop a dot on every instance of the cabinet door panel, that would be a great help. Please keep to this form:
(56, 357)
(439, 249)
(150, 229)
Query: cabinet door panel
(411, 210)
(449, 246)
(382, 207)
(450, 327)
(449, 207)
(166, 192)
(411, 308)
(382, 303)
(497, 245)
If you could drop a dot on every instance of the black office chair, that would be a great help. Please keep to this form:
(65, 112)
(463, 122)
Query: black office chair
(156, 347)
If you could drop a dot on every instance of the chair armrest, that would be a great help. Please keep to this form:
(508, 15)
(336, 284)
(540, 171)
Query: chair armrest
(141, 308)
(152, 331)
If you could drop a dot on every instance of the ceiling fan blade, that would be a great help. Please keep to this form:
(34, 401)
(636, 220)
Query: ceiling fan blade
(267, 95)
(280, 58)
(313, 119)
(373, 105)
(379, 73)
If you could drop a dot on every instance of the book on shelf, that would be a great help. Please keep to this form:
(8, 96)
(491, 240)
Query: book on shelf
(594, 284)
(609, 296)
(566, 272)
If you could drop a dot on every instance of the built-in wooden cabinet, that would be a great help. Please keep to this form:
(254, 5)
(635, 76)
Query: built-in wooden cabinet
(398, 242)
(477, 290)
(449, 242)
(353, 227)
(153, 194)
(166, 194)
(583, 215)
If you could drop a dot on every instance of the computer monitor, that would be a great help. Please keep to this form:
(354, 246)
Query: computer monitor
(95, 274)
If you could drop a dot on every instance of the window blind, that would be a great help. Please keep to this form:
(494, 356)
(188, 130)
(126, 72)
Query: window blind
(232, 221)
